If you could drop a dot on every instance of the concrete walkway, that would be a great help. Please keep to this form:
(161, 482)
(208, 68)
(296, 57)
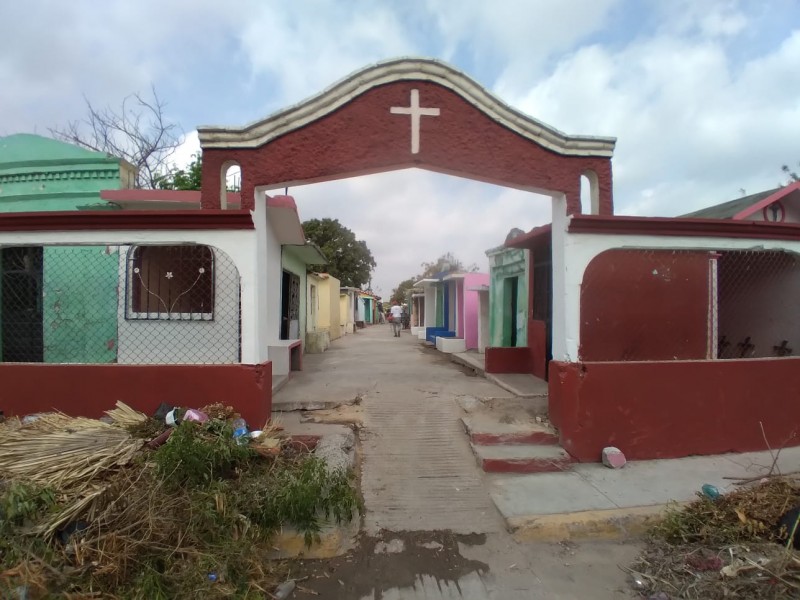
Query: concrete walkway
(419, 477)
(519, 384)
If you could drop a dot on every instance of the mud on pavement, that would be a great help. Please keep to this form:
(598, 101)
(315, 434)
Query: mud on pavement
(389, 561)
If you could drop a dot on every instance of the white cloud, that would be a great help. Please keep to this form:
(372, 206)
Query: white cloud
(704, 97)
(412, 216)
(514, 38)
(186, 152)
(692, 126)
(52, 54)
(304, 47)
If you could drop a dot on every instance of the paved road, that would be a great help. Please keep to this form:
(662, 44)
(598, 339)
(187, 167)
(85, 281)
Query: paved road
(422, 486)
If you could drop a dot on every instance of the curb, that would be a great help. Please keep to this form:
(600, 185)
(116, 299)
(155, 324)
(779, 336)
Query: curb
(334, 540)
(610, 524)
(465, 363)
(510, 388)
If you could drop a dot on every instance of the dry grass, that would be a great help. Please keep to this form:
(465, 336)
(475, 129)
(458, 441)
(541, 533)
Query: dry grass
(725, 548)
(96, 512)
(59, 451)
(124, 416)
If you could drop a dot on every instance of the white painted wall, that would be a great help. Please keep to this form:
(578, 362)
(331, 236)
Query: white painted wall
(572, 253)
(268, 296)
(430, 305)
(564, 343)
(239, 245)
(182, 341)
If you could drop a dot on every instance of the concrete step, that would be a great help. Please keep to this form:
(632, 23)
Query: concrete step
(520, 384)
(483, 430)
(278, 381)
(472, 360)
(522, 459)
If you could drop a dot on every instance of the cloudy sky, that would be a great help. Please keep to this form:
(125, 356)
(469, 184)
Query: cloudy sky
(703, 95)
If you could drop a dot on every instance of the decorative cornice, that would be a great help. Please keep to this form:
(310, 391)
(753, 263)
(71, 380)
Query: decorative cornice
(666, 226)
(59, 175)
(126, 220)
(405, 69)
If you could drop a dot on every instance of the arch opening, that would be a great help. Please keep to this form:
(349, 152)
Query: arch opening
(230, 180)
(590, 193)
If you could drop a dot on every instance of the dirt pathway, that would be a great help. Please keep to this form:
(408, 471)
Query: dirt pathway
(431, 530)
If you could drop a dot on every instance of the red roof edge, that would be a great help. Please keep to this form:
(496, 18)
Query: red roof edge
(137, 195)
(669, 226)
(527, 240)
(766, 201)
(118, 220)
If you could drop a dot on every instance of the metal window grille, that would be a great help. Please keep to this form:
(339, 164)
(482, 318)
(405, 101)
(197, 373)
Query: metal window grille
(170, 282)
(757, 299)
(79, 304)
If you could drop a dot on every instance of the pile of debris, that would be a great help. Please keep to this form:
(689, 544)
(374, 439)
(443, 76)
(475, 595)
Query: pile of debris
(737, 545)
(180, 504)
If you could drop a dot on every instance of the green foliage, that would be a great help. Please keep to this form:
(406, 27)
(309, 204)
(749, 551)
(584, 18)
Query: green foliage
(401, 291)
(202, 504)
(302, 493)
(21, 505)
(196, 455)
(149, 584)
(791, 174)
(183, 179)
(349, 259)
(446, 263)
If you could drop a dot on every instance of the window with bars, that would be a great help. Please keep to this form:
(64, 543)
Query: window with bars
(170, 282)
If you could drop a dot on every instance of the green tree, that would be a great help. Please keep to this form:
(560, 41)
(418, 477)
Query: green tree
(400, 293)
(183, 179)
(447, 263)
(793, 175)
(349, 259)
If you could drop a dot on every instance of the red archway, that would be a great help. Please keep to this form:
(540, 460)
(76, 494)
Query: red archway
(399, 114)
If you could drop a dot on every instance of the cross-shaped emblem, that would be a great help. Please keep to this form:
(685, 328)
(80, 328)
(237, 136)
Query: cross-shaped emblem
(416, 111)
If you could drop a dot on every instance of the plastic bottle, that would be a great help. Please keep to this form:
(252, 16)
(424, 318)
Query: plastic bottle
(285, 589)
(240, 430)
(711, 491)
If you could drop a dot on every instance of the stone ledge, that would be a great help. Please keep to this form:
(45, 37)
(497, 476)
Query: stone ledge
(609, 524)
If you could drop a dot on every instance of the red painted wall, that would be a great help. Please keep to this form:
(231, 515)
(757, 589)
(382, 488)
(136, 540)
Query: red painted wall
(675, 408)
(537, 343)
(363, 137)
(88, 390)
(523, 359)
(645, 305)
(501, 359)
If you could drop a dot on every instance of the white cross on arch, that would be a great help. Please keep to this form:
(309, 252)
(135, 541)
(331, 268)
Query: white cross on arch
(416, 111)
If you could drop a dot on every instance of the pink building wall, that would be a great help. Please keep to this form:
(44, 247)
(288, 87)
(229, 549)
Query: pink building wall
(471, 307)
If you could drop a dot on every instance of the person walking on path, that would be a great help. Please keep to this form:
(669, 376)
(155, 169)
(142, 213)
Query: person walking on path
(397, 318)
(381, 314)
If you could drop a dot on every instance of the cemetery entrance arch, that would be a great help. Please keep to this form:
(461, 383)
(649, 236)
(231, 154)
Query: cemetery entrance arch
(399, 114)
(408, 113)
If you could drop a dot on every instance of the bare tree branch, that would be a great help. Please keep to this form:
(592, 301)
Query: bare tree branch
(138, 133)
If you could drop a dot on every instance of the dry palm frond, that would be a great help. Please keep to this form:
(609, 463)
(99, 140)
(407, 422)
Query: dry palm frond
(58, 451)
(124, 416)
